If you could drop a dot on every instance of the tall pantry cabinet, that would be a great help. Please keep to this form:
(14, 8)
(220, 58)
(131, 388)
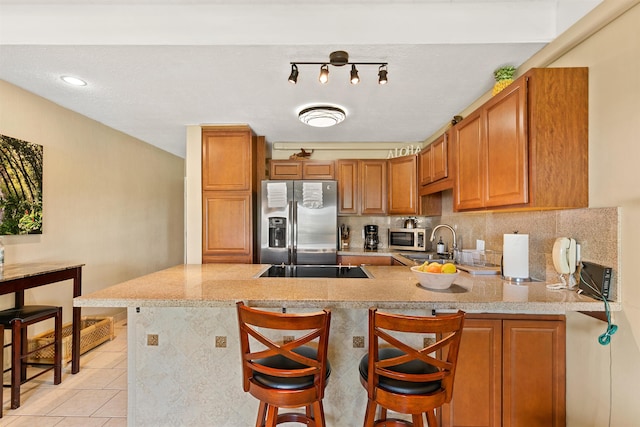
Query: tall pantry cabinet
(229, 189)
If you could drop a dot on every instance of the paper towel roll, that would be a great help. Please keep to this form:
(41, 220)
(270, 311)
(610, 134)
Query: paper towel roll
(515, 253)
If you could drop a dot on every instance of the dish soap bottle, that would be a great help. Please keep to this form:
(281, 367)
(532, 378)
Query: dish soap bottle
(440, 248)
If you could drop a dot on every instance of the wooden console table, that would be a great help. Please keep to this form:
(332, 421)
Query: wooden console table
(15, 278)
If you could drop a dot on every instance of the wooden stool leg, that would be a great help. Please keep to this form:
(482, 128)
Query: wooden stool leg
(417, 420)
(262, 414)
(370, 414)
(318, 414)
(16, 366)
(431, 419)
(272, 416)
(57, 370)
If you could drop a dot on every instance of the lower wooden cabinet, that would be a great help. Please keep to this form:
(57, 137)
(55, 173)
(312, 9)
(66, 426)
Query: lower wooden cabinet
(511, 372)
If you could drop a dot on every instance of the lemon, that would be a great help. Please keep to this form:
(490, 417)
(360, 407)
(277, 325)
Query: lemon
(449, 268)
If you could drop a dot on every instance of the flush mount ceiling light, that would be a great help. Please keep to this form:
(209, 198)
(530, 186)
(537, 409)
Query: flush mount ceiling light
(339, 58)
(73, 81)
(322, 116)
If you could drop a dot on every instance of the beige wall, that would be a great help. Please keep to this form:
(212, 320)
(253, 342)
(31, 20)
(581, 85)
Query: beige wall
(110, 201)
(613, 57)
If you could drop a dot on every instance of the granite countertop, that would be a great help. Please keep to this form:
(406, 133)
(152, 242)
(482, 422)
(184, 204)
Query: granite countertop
(222, 285)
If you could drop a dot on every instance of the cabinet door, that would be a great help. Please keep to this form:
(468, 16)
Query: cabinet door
(348, 188)
(318, 170)
(222, 151)
(286, 169)
(425, 165)
(373, 187)
(403, 185)
(439, 160)
(477, 386)
(534, 373)
(507, 158)
(470, 163)
(227, 227)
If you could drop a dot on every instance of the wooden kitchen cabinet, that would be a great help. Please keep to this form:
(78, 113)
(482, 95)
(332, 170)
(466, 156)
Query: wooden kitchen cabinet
(526, 147)
(511, 372)
(229, 186)
(362, 187)
(403, 185)
(302, 169)
(433, 161)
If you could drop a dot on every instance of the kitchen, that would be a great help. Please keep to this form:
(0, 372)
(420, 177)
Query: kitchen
(611, 184)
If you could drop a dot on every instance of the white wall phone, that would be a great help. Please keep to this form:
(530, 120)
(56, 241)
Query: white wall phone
(564, 255)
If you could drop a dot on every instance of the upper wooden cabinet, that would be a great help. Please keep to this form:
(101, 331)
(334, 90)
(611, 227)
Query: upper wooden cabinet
(403, 185)
(302, 169)
(527, 147)
(362, 187)
(433, 161)
(229, 185)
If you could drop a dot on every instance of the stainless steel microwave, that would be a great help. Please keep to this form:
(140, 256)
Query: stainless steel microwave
(409, 239)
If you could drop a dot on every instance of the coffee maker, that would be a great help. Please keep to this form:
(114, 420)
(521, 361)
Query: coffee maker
(371, 237)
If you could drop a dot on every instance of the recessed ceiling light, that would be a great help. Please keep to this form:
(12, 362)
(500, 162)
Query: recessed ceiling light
(322, 116)
(74, 81)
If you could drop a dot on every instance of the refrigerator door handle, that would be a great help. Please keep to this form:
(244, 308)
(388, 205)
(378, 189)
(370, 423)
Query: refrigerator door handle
(294, 232)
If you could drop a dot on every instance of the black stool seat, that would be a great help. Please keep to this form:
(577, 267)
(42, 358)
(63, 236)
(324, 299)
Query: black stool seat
(281, 362)
(26, 314)
(17, 320)
(399, 386)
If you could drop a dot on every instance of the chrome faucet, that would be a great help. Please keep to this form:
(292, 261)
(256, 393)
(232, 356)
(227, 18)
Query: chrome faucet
(455, 244)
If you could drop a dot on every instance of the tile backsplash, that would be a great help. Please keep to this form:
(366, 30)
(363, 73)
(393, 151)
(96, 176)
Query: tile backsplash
(595, 229)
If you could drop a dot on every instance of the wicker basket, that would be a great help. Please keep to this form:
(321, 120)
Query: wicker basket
(93, 332)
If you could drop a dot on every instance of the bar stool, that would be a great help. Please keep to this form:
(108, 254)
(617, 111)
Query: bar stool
(292, 374)
(408, 378)
(18, 319)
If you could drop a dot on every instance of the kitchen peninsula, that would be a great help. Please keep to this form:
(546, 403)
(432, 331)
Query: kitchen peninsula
(184, 366)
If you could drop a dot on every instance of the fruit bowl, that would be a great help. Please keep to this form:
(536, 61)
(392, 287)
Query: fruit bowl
(434, 280)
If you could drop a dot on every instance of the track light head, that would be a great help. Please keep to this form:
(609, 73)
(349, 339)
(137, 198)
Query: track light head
(354, 75)
(324, 74)
(382, 75)
(293, 77)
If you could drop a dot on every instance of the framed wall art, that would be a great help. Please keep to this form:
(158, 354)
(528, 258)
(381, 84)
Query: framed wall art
(20, 186)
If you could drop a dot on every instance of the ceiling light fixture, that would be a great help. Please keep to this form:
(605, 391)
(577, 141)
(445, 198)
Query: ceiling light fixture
(322, 116)
(293, 77)
(74, 81)
(382, 75)
(339, 58)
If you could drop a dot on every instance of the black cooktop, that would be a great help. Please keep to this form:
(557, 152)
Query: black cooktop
(323, 271)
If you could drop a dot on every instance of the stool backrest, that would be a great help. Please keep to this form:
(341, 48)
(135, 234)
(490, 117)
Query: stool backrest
(254, 325)
(442, 354)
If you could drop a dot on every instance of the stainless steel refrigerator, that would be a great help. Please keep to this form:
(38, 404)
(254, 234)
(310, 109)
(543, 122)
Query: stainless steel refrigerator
(299, 222)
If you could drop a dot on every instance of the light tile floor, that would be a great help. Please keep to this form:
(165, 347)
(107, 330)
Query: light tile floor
(96, 396)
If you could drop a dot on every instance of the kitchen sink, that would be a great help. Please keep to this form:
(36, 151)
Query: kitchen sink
(320, 271)
(420, 257)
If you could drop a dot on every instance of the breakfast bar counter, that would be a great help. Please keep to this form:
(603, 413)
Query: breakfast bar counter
(391, 287)
(183, 345)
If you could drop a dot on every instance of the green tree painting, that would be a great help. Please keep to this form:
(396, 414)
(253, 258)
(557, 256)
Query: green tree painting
(20, 187)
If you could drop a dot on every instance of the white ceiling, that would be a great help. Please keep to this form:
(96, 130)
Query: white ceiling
(156, 66)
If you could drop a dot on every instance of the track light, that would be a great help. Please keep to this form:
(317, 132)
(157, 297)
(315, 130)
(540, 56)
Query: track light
(293, 77)
(354, 75)
(324, 74)
(339, 58)
(382, 75)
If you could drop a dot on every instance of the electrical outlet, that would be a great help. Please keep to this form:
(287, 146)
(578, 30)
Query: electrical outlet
(288, 338)
(426, 342)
